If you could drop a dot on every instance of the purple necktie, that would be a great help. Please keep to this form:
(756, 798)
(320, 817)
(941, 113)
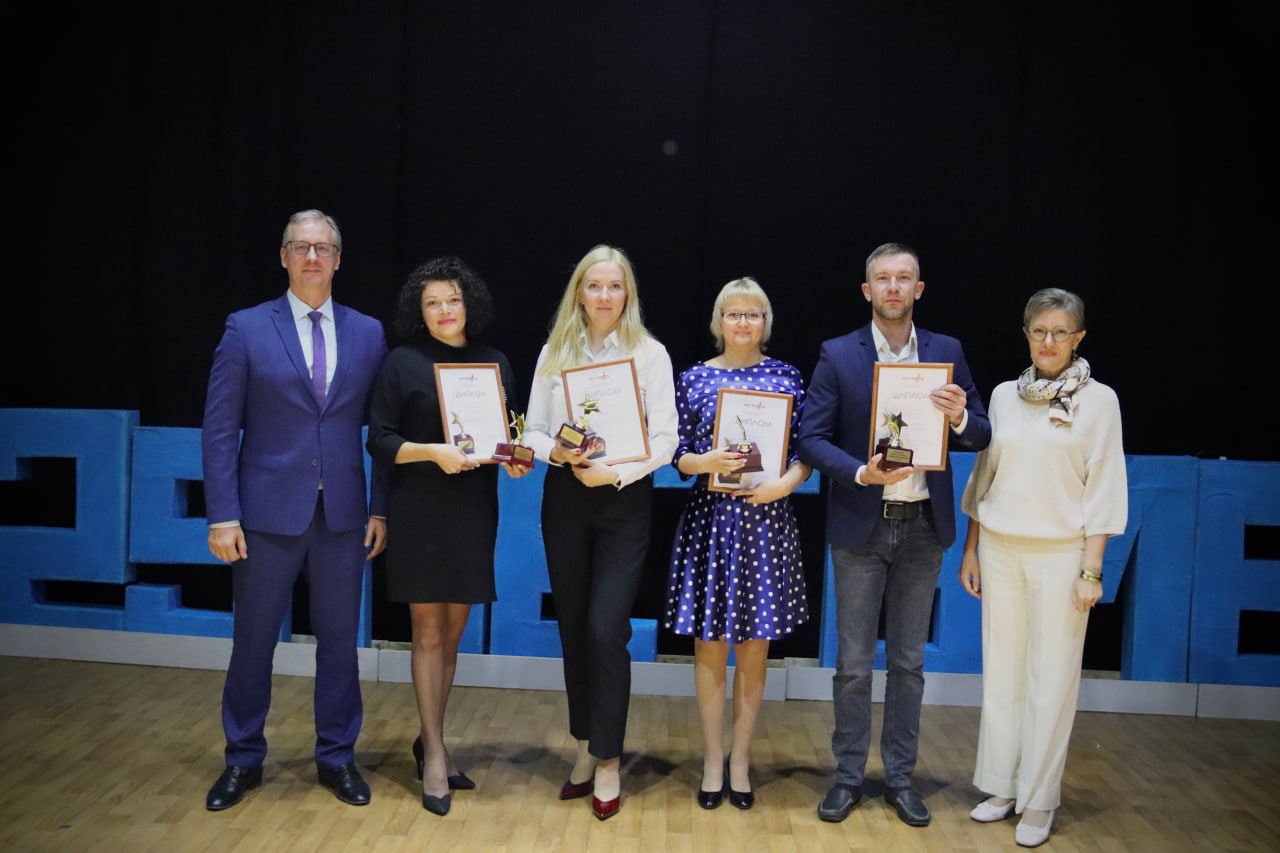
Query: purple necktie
(318, 366)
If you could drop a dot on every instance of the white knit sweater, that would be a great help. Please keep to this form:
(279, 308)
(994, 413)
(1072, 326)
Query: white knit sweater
(1048, 481)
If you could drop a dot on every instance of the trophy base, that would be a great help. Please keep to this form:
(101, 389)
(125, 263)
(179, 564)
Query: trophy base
(514, 454)
(575, 437)
(751, 459)
(893, 458)
(465, 443)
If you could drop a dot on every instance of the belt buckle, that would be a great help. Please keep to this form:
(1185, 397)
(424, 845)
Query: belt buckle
(884, 509)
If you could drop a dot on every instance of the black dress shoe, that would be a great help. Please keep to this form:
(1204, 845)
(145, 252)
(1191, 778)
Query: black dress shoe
(231, 786)
(346, 783)
(741, 799)
(838, 802)
(911, 809)
(437, 805)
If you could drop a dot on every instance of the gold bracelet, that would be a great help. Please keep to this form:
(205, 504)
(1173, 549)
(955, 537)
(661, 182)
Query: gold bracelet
(1091, 576)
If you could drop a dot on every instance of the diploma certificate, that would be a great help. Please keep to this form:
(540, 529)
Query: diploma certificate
(473, 408)
(900, 393)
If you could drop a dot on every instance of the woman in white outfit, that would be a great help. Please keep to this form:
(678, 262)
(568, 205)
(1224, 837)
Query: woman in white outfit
(1042, 501)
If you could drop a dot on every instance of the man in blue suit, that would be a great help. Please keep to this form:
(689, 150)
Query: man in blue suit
(294, 374)
(887, 528)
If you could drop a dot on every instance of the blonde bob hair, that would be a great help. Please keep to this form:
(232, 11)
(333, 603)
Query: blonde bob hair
(746, 288)
(564, 349)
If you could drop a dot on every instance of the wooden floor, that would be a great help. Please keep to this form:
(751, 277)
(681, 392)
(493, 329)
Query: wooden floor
(107, 757)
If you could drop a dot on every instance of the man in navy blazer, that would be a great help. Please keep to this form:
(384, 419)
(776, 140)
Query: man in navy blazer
(887, 529)
(294, 374)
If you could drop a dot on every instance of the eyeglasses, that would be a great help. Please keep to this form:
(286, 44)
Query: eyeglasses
(750, 316)
(1038, 334)
(453, 303)
(302, 248)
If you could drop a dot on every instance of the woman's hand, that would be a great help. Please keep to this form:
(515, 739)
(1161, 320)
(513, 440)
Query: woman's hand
(765, 492)
(723, 461)
(515, 472)
(971, 574)
(562, 455)
(450, 459)
(1086, 594)
(591, 473)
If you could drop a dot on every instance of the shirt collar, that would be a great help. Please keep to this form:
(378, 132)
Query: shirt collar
(882, 345)
(301, 309)
(610, 341)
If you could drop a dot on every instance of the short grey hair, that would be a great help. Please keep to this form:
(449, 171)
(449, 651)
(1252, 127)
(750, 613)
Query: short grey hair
(313, 215)
(1051, 299)
(890, 249)
(747, 288)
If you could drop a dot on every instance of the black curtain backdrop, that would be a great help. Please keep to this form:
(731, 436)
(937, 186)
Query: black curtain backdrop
(1112, 148)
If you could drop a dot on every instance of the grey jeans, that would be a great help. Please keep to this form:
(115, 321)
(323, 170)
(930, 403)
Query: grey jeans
(898, 566)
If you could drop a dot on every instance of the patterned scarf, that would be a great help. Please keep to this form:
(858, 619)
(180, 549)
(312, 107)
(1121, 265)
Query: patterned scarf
(1058, 392)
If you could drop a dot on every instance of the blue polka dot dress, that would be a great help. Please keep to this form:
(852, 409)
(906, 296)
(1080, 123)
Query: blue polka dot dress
(736, 569)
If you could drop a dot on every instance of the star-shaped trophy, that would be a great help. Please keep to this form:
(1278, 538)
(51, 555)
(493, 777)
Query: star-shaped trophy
(578, 435)
(893, 454)
(515, 452)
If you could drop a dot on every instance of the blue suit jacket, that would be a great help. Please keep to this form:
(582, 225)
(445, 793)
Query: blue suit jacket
(835, 432)
(260, 384)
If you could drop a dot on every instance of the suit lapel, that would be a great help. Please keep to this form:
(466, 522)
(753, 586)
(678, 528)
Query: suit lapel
(866, 351)
(282, 316)
(343, 345)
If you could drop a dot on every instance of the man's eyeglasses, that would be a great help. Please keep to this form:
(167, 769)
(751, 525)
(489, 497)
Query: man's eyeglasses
(1038, 334)
(302, 248)
(750, 316)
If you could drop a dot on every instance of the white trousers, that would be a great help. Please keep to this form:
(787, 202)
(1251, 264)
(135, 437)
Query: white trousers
(1032, 645)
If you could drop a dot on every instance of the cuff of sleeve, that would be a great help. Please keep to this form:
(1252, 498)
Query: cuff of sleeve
(235, 523)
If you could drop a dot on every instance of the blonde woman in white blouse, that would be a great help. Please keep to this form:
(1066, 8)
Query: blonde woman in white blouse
(595, 517)
(1042, 501)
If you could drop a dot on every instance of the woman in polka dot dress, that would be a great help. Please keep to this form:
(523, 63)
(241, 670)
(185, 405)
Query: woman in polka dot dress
(737, 578)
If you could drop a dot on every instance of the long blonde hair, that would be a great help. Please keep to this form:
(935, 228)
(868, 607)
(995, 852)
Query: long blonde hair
(563, 342)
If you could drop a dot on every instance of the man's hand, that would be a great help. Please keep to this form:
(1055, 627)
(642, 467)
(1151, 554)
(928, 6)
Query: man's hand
(375, 534)
(874, 475)
(227, 543)
(950, 399)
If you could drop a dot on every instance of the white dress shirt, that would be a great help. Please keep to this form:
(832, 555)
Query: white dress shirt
(657, 395)
(301, 310)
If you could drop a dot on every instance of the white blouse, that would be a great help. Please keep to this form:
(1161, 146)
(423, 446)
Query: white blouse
(657, 396)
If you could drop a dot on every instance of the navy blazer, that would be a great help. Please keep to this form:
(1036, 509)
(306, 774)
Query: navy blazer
(260, 384)
(835, 432)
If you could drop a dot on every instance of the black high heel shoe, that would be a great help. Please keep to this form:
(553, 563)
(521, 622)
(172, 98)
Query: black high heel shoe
(457, 782)
(712, 799)
(738, 799)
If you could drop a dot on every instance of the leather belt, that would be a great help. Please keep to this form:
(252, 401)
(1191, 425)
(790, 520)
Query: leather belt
(899, 511)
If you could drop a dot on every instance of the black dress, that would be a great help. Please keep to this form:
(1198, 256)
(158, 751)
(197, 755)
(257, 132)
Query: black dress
(441, 528)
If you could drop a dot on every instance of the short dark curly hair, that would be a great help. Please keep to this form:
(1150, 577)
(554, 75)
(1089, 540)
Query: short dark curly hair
(409, 324)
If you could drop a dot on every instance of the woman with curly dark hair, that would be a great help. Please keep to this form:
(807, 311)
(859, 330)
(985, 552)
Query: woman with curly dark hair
(443, 518)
